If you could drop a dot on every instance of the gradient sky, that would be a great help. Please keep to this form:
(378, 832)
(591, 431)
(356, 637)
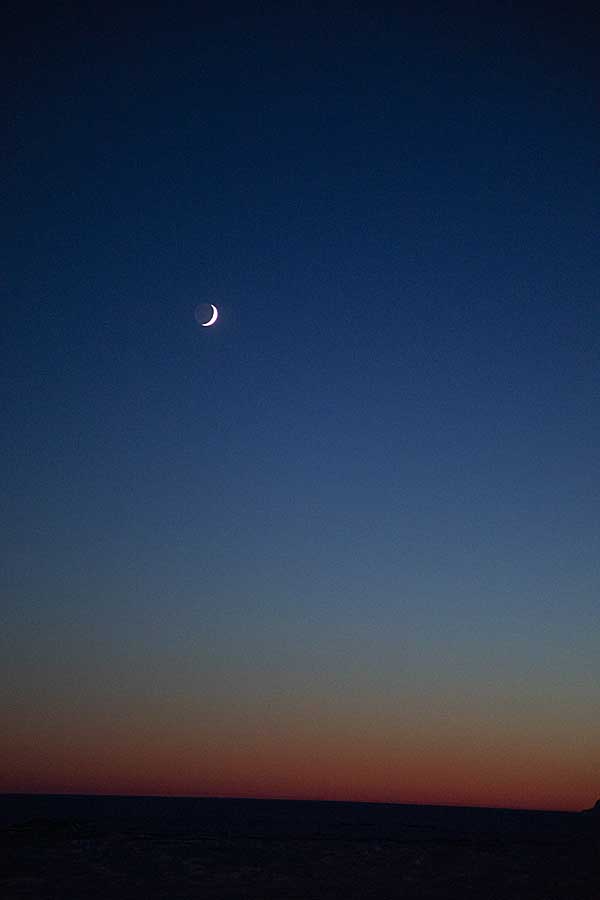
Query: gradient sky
(345, 544)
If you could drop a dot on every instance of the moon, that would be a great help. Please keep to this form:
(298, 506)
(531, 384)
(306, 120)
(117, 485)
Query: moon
(213, 318)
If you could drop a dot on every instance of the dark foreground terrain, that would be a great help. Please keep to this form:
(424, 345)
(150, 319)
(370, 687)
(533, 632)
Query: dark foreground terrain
(154, 848)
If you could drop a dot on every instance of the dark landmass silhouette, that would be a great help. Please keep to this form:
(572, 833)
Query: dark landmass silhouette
(594, 810)
(151, 848)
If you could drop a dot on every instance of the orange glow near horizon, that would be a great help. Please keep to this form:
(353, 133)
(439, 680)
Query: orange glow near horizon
(305, 771)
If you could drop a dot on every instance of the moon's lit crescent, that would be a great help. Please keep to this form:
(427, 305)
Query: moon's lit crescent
(213, 318)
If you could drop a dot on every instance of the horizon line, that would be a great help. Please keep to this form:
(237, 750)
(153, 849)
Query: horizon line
(268, 799)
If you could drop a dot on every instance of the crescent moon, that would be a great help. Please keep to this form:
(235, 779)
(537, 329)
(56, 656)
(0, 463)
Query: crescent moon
(213, 318)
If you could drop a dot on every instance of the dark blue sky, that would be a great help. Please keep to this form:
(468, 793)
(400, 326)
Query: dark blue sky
(383, 458)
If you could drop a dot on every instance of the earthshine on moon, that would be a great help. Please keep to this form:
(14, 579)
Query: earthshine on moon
(213, 317)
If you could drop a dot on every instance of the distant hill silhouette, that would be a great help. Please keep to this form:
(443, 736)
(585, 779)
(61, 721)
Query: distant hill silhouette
(595, 810)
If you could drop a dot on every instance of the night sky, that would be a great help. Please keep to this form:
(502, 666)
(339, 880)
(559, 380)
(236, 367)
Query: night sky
(345, 543)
